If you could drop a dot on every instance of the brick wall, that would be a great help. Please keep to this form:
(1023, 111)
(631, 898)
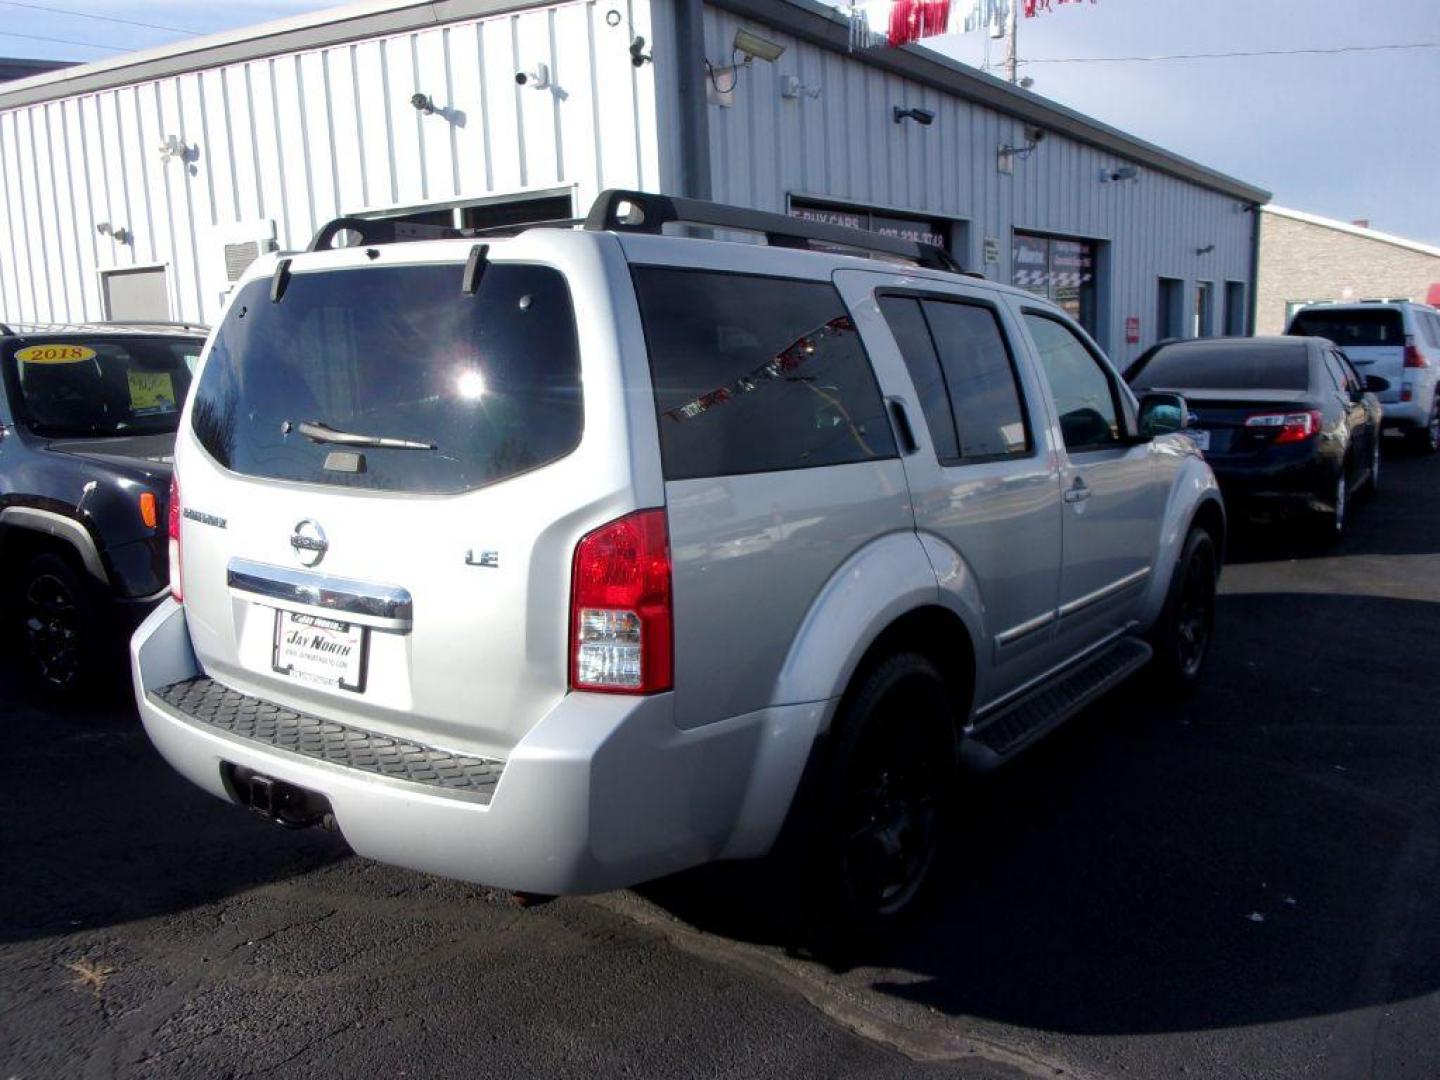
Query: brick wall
(1301, 261)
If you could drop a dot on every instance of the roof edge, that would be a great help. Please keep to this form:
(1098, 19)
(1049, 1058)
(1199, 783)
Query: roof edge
(1353, 230)
(310, 30)
(820, 25)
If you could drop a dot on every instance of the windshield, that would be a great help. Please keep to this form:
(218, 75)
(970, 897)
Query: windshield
(73, 384)
(1221, 367)
(393, 378)
(1351, 327)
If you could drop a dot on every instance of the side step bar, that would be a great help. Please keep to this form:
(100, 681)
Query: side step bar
(1021, 722)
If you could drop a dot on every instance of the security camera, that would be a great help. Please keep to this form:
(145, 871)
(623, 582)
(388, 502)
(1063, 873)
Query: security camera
(923, 117)
(1035, 134)
(538, 79)
(638, 56)
(422, 103)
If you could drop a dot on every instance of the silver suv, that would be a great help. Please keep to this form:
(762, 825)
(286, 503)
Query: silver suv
(565, 560)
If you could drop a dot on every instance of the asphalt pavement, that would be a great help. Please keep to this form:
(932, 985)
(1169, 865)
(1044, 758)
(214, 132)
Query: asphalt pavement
(1241, 884)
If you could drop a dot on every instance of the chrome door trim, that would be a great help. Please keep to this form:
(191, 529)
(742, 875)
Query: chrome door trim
(1104, 593)
(1024, 629)
(386, 607)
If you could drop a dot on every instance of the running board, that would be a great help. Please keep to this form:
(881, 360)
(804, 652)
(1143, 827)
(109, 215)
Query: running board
(998, 737)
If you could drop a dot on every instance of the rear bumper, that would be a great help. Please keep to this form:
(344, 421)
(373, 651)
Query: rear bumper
(604, 792)
(1293, 488)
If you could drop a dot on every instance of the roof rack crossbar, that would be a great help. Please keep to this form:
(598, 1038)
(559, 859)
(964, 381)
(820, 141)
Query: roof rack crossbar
(618, 210)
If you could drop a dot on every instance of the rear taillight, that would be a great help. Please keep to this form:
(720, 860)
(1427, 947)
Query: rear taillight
(173, 518)
(1414, 358)
(1288, 427)
(620, 607)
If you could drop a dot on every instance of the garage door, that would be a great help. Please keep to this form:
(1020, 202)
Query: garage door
(136, 295)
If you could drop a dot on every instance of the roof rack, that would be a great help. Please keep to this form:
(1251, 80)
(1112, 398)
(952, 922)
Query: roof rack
(617, 210)
(379, 230)
(620, 210)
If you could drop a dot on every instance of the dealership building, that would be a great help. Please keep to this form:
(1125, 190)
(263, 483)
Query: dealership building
(141, 187)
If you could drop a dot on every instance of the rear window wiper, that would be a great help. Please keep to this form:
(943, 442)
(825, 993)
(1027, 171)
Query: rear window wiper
(314, 429)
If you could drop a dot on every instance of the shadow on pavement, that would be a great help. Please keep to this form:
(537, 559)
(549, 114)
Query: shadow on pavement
(1238, 858)
(100, 831)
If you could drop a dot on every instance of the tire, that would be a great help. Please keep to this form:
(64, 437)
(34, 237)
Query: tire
(1330, 524)
(1182, 636)
(1426, 439)
(883, 803)
(56, 623)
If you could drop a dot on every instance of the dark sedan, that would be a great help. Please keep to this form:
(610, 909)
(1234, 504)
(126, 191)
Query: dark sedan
(1289, 427)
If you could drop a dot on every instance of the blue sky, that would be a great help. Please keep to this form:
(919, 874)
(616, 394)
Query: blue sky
(1348, 136)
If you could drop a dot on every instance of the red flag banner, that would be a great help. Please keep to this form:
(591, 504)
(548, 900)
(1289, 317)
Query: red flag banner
(911, 20)
(904, 22)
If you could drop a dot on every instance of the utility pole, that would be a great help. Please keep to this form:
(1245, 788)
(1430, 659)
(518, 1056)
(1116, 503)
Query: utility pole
(1012, 49)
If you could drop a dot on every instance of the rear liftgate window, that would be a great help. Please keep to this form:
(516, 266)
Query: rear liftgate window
(404, 382)
(757, 375)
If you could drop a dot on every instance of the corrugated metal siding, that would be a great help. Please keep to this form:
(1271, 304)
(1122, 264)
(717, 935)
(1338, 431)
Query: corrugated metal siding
(845, 145)
(302, 137)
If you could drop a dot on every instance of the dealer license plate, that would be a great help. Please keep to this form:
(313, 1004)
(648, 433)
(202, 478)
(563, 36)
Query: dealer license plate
(1201, 437)
(323, 651)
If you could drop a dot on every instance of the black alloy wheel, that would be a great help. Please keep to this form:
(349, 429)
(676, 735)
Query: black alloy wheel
(1430, 441)
(1182, 637)
(1375, 464)
(55, 620)
(887, 799)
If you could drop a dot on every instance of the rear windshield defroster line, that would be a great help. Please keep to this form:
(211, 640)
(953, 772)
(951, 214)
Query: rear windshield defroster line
(445, 392)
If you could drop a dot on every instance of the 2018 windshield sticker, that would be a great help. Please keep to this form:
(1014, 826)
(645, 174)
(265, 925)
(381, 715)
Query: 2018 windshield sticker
(55, 354)
(152, 393)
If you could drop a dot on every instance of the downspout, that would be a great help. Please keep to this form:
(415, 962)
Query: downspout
(690, 79)
(1254, 270)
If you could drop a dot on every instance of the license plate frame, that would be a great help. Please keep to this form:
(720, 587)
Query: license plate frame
(1200, 436)
(348, 674)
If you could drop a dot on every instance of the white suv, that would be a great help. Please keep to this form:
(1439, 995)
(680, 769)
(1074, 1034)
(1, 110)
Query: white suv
(559, 561)
(1396, 343)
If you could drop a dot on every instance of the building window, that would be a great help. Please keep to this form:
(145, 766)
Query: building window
(1204, 309)
(1170, 314)
(1235, 319)
(900, 226)
(1060, 270)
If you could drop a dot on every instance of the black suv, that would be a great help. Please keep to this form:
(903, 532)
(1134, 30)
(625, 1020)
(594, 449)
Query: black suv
(87, 430)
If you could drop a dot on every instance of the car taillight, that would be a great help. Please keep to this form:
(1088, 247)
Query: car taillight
(620, 607)
(1414, 358)
(174, 525)
(1288, 427)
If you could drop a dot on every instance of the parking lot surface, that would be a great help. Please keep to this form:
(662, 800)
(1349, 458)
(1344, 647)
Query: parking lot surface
(1240, 884)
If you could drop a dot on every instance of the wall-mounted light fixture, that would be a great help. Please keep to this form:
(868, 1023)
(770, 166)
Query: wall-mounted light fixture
(1125, 172)
(1005, 155)
(173, 148)
(118, 233)
(923, 117)
(756, 47)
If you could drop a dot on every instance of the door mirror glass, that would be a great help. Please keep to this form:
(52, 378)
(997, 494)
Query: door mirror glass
(1374, 384)
(1162, 414)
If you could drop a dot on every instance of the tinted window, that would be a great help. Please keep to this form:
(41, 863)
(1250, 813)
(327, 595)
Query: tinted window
(77, 385)
(1347, 326)
(488, 385)
(913, 336)
(1083, 395)
(980, 378)
(1226, 367)
(757, 374)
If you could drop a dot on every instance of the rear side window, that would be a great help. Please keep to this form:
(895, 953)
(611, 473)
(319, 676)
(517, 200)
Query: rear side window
(1227, 367)
(1349, 327)
(980, 378)
(480, 387)
(757, 375)
(912, 334)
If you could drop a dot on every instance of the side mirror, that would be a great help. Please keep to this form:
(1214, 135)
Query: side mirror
(1162, 414)
(1374, 384)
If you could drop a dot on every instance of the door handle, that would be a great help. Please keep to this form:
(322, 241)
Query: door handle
(903, 430)
(1078, 492)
